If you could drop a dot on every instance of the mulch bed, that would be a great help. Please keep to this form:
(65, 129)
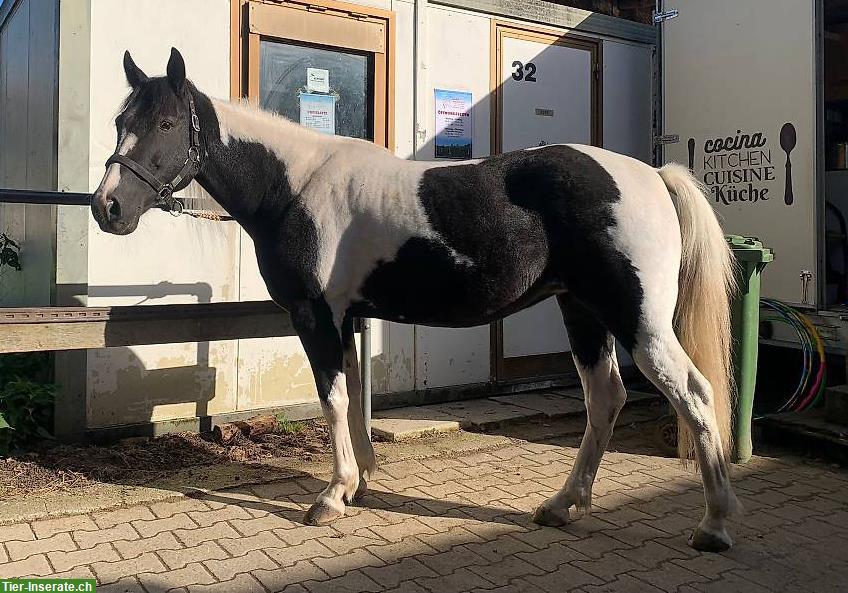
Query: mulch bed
(142, 461)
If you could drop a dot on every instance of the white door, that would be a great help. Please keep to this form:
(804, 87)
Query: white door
(740, 92)
(546, 96)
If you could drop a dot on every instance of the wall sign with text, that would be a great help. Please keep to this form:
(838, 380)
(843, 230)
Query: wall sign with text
(453, 124)
(318, 112)
(746, 167)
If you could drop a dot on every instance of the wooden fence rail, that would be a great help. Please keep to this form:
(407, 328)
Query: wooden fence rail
(75, 328)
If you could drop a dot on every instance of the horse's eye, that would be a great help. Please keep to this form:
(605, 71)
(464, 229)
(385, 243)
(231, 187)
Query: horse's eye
(166, 126)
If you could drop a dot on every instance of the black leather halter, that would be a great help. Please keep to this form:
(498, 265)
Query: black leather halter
(165, 191)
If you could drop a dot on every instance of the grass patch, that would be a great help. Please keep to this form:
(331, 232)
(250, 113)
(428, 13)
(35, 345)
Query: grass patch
(286, 426)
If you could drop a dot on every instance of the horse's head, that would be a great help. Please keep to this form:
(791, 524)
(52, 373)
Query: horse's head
(158, 150)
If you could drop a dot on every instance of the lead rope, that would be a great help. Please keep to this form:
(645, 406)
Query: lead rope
(207, 215)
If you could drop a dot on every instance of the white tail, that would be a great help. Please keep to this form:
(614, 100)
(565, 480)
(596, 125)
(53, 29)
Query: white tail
(707, 283)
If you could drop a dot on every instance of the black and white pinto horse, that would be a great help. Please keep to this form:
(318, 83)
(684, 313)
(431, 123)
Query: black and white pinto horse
(343, 228)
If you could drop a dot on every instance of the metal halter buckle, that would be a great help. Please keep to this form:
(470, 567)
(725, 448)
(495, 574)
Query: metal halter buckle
(175, 208)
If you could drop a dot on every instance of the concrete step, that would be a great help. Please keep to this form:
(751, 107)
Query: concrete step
(403, 424)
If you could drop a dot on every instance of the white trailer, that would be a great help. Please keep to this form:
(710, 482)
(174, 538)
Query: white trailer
(755, 100)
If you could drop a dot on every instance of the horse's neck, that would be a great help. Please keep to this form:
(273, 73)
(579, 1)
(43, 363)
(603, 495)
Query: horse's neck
(300, 150)
(237, 172)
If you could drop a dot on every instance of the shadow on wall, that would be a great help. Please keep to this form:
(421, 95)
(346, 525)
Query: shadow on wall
(134, 391)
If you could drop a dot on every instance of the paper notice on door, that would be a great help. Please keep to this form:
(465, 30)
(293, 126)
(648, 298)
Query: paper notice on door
(317, 80)
(318, 112)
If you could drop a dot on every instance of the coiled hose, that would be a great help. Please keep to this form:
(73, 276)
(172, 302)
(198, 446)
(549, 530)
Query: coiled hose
(811, 385)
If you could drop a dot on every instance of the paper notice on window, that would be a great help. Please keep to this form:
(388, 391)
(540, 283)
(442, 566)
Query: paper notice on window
(317, 80)
(318, 112)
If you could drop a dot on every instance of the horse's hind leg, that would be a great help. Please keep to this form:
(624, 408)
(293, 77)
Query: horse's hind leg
(661, 358)
(593, 349)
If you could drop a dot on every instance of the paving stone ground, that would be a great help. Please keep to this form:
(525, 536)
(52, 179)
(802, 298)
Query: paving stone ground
(456, 518)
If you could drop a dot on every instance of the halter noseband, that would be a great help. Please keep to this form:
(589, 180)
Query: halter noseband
(165, 191)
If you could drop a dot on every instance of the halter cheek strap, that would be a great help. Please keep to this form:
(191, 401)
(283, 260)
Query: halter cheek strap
(165, 190)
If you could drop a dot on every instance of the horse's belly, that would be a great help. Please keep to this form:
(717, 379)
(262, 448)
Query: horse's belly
(431, 284)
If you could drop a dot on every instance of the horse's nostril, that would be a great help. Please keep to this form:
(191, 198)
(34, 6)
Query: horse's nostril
(113, 209)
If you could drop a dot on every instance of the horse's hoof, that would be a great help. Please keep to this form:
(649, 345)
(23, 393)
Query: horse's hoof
(321, 513)
(705, 541)
(551, 517)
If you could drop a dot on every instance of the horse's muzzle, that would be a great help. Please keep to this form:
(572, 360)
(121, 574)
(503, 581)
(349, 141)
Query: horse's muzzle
(109, 215)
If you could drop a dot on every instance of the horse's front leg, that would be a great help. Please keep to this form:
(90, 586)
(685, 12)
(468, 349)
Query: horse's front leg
(322, 342)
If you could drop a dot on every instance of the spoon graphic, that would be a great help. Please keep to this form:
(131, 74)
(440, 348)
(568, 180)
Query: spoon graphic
(788, 138)
(691, 146)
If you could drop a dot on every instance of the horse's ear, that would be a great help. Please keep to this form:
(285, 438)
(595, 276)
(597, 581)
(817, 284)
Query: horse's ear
(176, 70)
(135, 77)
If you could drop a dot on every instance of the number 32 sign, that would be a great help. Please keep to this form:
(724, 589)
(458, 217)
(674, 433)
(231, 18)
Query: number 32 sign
(525, 72)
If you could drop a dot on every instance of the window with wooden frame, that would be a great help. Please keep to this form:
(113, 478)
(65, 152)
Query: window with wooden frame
(328, 65)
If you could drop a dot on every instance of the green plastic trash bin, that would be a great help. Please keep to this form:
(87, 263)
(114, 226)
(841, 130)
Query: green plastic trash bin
(751, 258)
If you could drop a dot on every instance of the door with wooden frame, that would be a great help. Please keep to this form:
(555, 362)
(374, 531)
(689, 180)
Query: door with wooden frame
(327, 65)
(547, 90)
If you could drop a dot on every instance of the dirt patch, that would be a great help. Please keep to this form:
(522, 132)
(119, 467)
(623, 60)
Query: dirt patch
(141, 462)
